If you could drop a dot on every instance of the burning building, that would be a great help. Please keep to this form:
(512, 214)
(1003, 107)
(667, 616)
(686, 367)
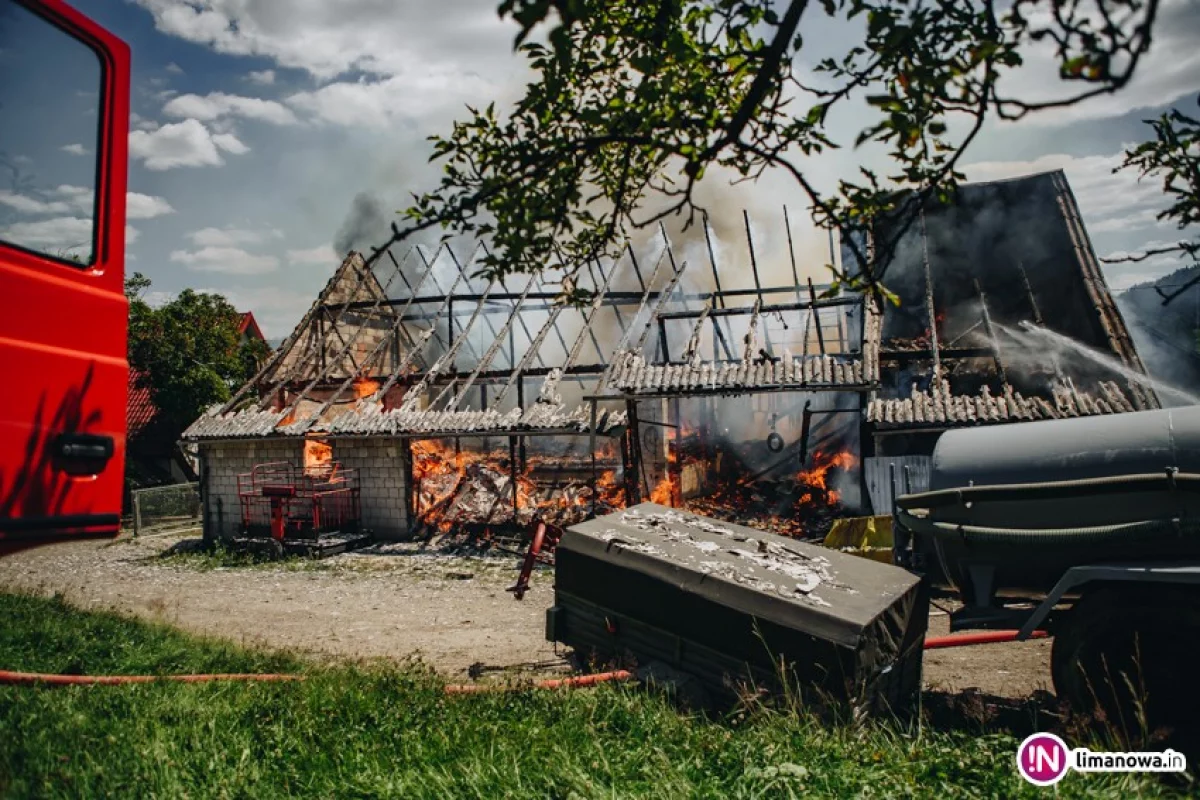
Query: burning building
(1003, 315)
(470, 405)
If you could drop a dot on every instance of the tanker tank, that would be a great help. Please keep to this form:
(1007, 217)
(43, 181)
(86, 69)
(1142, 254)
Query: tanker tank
(1022, 503)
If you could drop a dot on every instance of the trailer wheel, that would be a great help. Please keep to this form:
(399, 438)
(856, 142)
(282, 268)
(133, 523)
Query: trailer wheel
(1129, 653)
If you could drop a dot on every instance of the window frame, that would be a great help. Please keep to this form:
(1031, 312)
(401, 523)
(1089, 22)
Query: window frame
(104, 116)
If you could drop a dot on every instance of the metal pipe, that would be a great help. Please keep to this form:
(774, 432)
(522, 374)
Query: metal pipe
(929, 306)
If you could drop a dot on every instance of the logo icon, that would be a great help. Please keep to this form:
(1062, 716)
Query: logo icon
(1043, 759)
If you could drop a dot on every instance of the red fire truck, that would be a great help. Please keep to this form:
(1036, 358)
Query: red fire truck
(64, 125)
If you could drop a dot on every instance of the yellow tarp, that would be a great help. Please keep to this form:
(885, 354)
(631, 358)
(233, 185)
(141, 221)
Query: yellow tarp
(869, 537)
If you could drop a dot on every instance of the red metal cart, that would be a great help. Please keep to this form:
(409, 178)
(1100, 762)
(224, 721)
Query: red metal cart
(301, 508)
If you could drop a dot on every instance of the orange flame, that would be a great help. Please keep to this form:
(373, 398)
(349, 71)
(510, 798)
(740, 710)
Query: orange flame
(318, 456)
(443, 475)
(365, 387)
(667, 489)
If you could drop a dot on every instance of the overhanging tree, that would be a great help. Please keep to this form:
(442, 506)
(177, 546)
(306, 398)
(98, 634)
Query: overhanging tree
(188, 351)
(636, 100)
(1173, 155)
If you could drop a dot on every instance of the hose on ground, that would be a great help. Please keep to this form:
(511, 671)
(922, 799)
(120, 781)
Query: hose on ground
(1052, 490)
(979, 637)
(1100, 534)
(11, 678)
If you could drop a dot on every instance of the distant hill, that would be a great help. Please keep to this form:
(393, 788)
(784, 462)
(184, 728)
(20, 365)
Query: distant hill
(1165, 336)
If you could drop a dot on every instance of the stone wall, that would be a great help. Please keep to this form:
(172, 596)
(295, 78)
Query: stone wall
(379, 463)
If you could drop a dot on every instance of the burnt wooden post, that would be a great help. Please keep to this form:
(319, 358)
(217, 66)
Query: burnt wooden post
(512, 464)
(1037, 314)
(410, 495)
(718, 296)
(592, 448)
(753, 259)
(812, 296)
(787, 226)
(991, 332)
(930, 309)
(633, 466)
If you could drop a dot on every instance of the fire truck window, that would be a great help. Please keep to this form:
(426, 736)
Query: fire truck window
(50, 96)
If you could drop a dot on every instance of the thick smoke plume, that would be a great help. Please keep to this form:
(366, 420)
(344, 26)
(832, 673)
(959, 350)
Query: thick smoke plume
(367, 224)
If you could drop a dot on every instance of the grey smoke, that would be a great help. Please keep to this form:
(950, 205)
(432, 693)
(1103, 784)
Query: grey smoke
(367, 224)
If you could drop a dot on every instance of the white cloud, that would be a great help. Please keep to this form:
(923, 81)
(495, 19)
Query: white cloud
(276, 308)
(68, 200)
(230, 260)
(330, 39)
(1168, 71)
(141, 123)
(230, 143)
(232, 237)
(427, 92)
(145, 206)
(81, 197)
(216, 105)
(1129, 273)
(1113, 204)
(264, 77)
(58, 233)
(322, 255)
(181, 144)
(30, 205)
(75, 149)
(174, 68)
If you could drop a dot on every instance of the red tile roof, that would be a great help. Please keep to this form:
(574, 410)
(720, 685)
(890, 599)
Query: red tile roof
(248, 325)
(141, 410)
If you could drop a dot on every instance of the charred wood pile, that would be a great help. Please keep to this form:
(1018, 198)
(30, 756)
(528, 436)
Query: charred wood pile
(457, 489)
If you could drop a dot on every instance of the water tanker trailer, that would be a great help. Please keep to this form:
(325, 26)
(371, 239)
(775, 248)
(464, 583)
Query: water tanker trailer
(1088, 528)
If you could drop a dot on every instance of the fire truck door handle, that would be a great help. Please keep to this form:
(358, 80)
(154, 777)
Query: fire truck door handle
(83, 449)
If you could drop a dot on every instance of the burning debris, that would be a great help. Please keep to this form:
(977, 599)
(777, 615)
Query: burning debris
(459, 489)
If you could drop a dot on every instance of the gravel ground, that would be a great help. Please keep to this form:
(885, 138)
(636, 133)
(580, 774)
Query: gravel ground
(392, 601)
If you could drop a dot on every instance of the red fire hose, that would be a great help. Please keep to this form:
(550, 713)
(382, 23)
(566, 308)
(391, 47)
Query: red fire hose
(30, 678)
(982, 637)
(35, 678)
(10, 678)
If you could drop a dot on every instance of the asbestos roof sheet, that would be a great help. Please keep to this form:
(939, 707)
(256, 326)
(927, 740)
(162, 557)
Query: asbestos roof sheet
(944, 408)
(633, 374)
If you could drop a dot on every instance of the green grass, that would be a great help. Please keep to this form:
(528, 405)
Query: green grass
(352, 731)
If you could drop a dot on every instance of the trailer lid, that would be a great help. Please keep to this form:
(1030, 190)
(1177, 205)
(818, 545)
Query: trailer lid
(798, 585)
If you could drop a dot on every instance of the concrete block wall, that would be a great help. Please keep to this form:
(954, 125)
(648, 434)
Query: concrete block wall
(380, 468)
(222, 463)
(382, 477)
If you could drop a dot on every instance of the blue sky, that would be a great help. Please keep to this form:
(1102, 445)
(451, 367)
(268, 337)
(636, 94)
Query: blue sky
(257, 122)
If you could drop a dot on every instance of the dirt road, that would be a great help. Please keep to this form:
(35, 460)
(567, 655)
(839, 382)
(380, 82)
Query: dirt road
(391, 602)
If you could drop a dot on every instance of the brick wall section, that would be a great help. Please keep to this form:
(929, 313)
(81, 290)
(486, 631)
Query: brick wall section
(381, 476)
(378, 461)
(224, 461)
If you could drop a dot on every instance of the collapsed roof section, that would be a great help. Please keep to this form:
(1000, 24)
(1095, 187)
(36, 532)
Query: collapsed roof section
(418, 346)
(1003, 315)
